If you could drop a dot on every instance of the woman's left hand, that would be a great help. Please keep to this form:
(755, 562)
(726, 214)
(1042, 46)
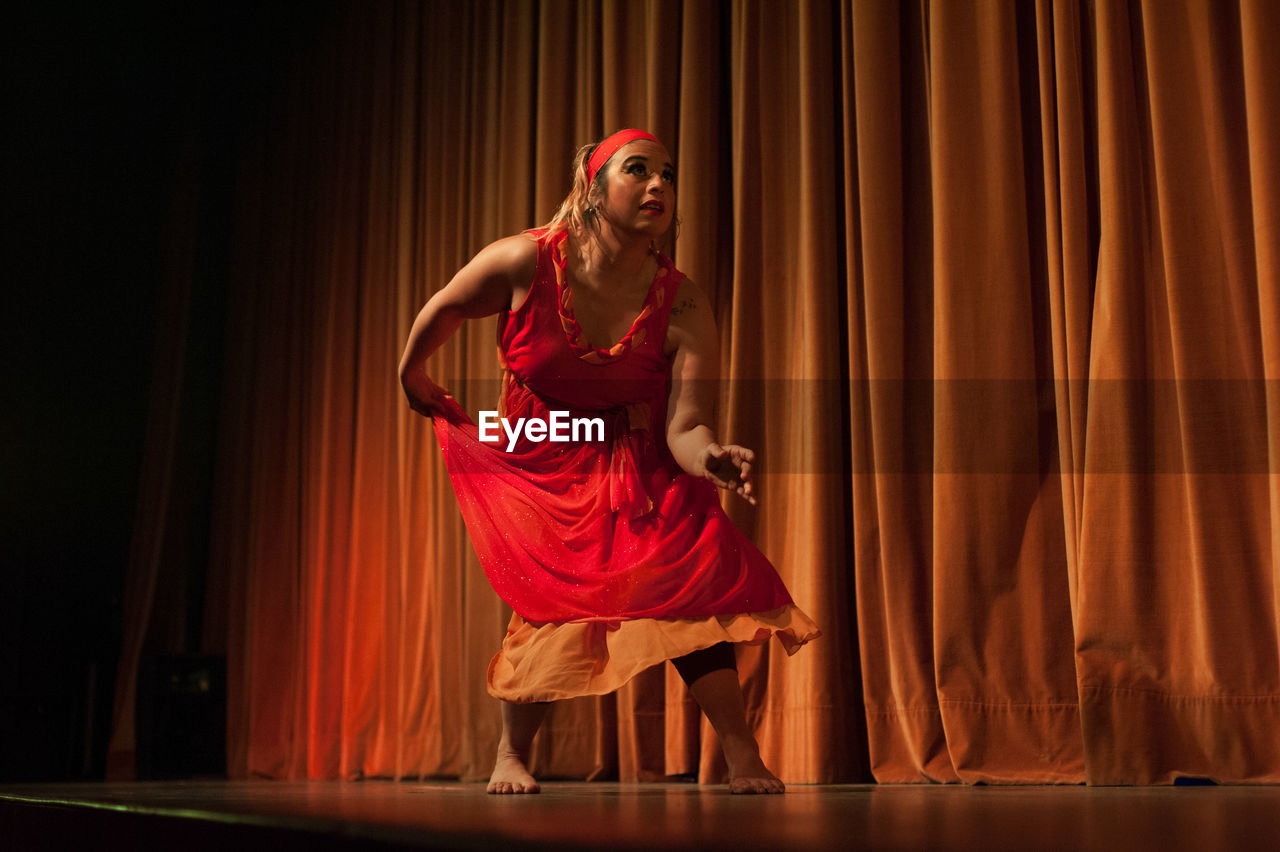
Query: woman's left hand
(729, 467)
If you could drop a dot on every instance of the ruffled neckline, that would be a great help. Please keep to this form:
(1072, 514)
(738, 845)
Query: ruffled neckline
(574, 334)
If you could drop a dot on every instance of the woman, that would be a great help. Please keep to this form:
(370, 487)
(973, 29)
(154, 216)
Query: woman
(610, 546)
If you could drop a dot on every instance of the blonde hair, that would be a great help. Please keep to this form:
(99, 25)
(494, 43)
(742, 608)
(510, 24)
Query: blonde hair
(577, 213)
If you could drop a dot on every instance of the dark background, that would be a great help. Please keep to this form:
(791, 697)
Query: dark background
(122, 119)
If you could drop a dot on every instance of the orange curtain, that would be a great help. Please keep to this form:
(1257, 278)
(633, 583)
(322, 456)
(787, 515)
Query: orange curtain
(1063, 315)
(997, 288)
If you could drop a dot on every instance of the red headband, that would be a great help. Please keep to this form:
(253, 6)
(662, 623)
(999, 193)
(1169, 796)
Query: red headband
(610, 146)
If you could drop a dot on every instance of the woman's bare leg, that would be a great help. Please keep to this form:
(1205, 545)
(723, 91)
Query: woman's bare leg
(719, 695)
(511, 769)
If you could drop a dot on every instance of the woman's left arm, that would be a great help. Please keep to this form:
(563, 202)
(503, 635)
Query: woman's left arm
(694, 347)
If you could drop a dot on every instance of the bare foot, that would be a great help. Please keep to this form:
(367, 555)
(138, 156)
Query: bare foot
(510, 775)
(747, 772)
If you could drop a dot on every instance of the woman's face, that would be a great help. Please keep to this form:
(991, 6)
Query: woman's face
(640, 188)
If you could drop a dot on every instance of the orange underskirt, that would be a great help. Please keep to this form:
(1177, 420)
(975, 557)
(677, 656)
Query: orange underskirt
(549, 662)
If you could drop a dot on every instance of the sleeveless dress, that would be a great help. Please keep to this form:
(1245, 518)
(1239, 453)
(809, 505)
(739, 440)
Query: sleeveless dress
(612, 558)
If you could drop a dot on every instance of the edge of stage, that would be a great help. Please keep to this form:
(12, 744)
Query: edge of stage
(374, 814)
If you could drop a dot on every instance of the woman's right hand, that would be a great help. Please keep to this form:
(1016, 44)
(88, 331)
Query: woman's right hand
(424, 395)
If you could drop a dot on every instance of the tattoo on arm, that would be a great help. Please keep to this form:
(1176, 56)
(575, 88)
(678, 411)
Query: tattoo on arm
(685, 305)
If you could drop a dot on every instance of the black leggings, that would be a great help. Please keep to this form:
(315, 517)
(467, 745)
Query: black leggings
(695, 665)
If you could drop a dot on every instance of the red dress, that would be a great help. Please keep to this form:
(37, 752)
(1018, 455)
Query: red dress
(585, 537)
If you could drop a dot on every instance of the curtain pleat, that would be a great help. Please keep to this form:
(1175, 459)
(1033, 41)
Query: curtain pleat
(890, 355)
(997, 291)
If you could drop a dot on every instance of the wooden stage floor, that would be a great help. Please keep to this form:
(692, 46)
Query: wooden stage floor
(279, 815)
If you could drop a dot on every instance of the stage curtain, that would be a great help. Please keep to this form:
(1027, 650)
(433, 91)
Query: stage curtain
(997, 291)
(1063, 315)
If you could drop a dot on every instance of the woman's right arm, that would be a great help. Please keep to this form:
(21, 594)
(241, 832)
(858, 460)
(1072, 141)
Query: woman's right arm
(494, 280)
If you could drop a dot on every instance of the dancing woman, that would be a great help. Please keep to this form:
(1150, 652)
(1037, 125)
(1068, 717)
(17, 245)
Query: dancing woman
(610, 546)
